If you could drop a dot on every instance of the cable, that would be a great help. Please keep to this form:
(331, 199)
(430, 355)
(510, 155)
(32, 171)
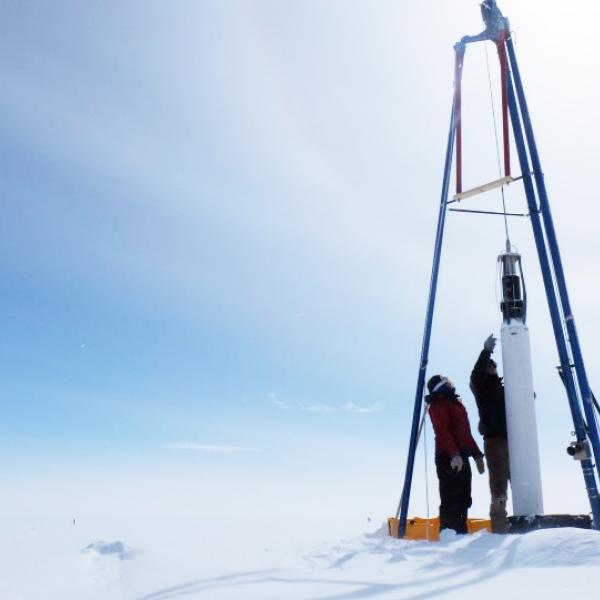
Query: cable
(426, 470)
(487, 62)
(419, 431)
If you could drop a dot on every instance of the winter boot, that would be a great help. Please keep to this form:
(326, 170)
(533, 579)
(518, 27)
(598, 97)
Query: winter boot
(498, 514)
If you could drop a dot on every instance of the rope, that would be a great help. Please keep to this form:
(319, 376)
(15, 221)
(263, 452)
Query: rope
(487, 62)
(426, 470)
(419, 431)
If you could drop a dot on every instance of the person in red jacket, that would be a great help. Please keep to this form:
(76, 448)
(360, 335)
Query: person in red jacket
(454, 444)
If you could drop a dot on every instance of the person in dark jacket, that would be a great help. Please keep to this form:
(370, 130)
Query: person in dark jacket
(489, 394)
(453, 446)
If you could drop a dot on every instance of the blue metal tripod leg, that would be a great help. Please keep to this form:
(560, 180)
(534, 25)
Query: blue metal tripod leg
(580, 371)
(545, 264)
(403, 507)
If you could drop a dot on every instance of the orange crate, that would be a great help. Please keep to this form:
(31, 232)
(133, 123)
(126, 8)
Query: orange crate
(429, 529)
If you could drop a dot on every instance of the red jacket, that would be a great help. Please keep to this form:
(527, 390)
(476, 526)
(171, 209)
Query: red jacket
(451, 426)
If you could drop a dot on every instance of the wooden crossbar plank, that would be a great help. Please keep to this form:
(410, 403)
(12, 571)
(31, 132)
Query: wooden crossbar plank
(486, 187)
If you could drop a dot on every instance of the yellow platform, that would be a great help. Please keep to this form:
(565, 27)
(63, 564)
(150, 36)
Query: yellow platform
(429, 529)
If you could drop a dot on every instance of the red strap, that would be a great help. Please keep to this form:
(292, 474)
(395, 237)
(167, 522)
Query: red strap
(504, 81)
(458, 64)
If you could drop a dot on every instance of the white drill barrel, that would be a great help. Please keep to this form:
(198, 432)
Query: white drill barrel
(524, 455)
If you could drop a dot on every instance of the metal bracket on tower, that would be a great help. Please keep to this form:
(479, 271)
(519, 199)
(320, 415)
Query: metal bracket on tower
(579, 450)
(495, 25)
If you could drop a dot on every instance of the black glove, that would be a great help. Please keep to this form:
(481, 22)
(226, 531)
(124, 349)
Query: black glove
(480, 465)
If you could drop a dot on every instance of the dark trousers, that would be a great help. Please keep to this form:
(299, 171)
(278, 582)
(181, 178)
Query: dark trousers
(455, 494)
(496, 456)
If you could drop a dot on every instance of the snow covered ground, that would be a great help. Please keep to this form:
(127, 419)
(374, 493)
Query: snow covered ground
(164, 559)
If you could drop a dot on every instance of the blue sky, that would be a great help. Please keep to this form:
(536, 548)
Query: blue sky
(217, 229)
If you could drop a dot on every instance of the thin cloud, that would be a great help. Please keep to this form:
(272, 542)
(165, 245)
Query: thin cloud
(318, 408)
(211, 448)
(278, 402)
(356, 408)
(281, 404)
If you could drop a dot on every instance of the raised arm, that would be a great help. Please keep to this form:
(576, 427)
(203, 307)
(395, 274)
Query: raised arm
(479, 372)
